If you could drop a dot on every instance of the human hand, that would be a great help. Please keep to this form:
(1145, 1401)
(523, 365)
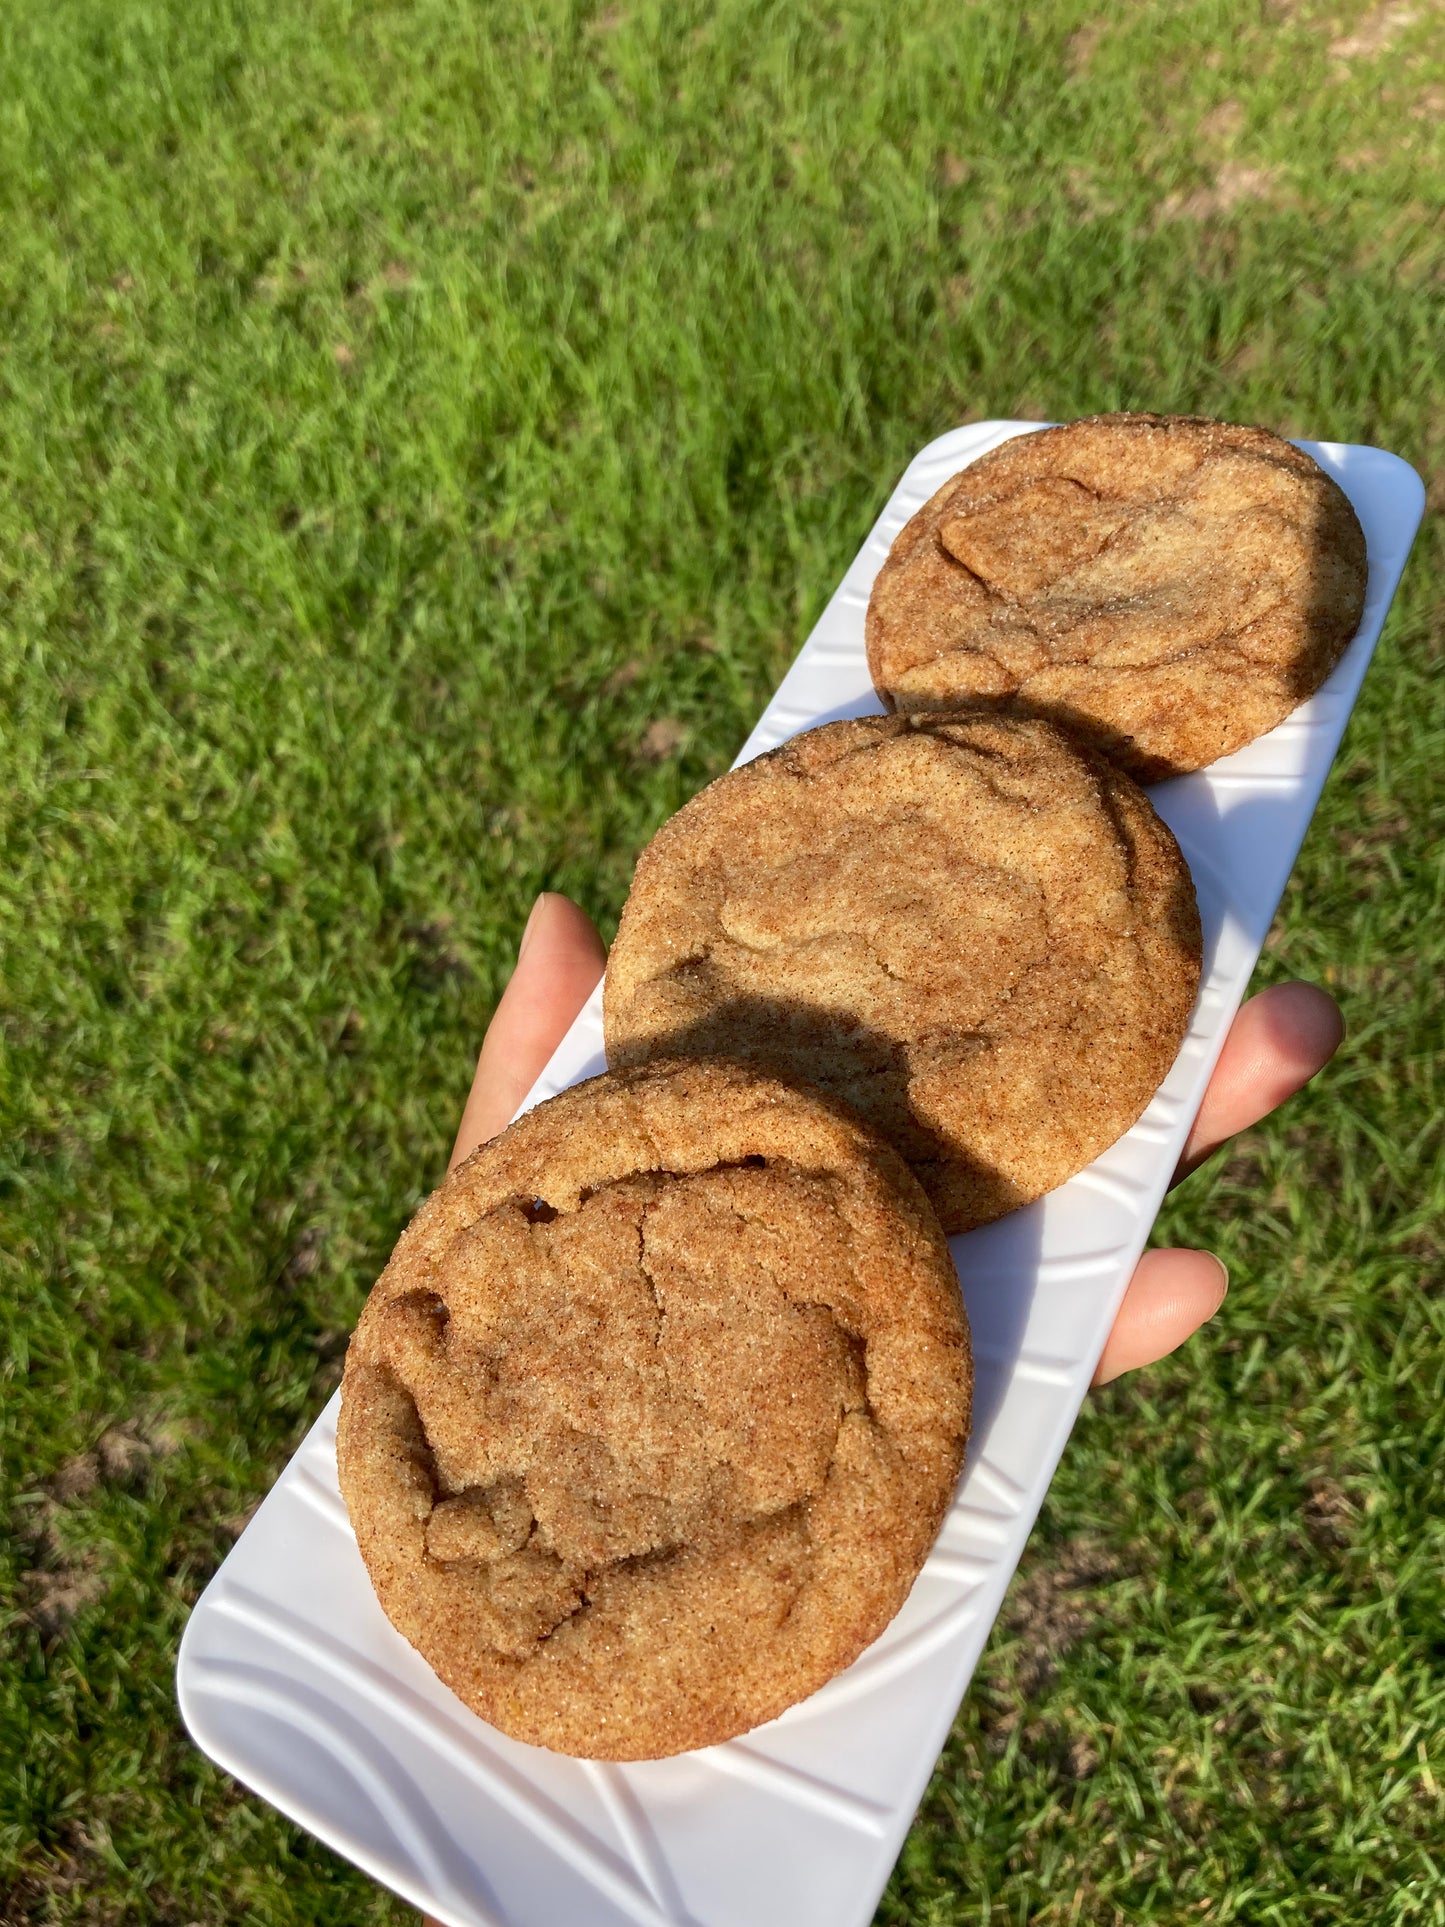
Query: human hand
(1278, 1041)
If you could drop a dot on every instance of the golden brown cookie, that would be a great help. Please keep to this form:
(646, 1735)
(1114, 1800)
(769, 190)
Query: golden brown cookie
(1166, 587)
(653, 1416)
(975, 932)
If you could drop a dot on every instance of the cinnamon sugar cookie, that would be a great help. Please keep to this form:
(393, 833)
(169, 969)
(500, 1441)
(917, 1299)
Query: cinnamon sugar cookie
(652, 1418)
(1168, 588)
(975, 932)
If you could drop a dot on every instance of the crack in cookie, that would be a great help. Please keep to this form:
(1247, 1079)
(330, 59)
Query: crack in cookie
(1168, 588)
(637, 1471)
(972, 930)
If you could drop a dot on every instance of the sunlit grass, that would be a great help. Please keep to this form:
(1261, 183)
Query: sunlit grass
(402, 408)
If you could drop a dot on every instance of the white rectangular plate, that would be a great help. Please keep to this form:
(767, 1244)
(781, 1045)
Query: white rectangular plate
(291, 1678)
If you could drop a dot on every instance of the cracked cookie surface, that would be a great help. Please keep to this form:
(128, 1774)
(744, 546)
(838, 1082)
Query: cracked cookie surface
(654, 1414)
(973, 931)
(1168, 588)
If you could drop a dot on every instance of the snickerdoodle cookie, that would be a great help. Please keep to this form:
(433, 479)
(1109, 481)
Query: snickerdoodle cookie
(653, 1416)
(974, 931)
(1168, 588)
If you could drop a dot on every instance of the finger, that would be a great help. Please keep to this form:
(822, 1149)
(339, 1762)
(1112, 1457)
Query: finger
(1275, 1046)
(559, 962)
(1171, 1294)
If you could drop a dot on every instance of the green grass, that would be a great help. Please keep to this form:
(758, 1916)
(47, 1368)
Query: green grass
(403, 406)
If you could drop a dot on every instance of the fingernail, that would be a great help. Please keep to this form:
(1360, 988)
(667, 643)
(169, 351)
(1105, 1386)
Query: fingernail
(1223, 1274)
(528, 927)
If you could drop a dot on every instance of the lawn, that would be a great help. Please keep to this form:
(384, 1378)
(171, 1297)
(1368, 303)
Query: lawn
(427, 432)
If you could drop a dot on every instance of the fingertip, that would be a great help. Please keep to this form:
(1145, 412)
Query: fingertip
(1220, 1281)
(559, 961)
(530, 925)
(559, 925)
(1303, 1023)
(1171, 1294)
(1279, 1040)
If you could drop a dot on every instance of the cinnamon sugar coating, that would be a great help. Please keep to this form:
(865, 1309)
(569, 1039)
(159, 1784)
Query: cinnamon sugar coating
(972, 930)
(1168, 588)
(654, 1414)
